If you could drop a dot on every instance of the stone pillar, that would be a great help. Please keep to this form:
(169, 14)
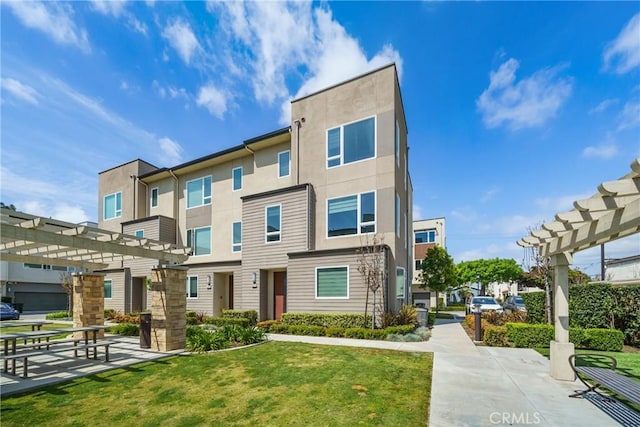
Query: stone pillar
(88, 301)
(561, 348)
(168, 308)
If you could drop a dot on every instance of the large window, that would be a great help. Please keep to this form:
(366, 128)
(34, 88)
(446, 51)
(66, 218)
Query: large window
(199, 239)
(400, 282)
(351, 142)
(154, 197)
(397, 143)
(112, 206)
(332, 282)
(192, 287)
(351, 215)
(237, 178)
(49, 267)
(397, 215)
(425, 236)
(284, 163)
(236, 237)
(273, 223)
(108, 284)
(139, 234)
(199, 192)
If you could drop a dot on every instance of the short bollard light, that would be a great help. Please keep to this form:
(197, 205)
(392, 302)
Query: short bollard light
(477, 320)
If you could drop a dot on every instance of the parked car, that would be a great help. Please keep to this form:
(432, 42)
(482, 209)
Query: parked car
(514, 303)
(486, 304)
(7, 312)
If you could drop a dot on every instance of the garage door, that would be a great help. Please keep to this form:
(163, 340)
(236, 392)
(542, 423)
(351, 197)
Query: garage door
(41, 301)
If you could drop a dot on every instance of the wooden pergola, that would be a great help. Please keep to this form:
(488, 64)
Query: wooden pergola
(610, 214)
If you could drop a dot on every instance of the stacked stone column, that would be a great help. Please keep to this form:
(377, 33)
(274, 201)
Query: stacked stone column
(88, 301)
(168, 308)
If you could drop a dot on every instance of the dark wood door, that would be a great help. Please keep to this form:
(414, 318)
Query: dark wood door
(279, 293)
(231, 292)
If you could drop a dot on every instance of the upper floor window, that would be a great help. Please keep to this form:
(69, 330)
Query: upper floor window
(425, 236)
(284, 163)
(237, 178)
(112, 206)
(48, 267)
(351, 142)
(192, 287)
(199, 192)
(397, 143)
(400, 282)
(199, 239)
(273, 223)
(154, 197)
(108, 285)
(236, 239)
(351, 215)
(397, 215)
(418, 265)
(139, 234)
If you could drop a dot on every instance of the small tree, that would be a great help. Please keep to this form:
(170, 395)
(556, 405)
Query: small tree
(66, 280)
(437, 271)
(371, 268)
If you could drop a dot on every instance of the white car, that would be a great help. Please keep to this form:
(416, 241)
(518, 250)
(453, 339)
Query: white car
(486, 304)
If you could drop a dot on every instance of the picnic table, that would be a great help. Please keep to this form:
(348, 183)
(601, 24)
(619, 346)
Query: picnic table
(35, 325)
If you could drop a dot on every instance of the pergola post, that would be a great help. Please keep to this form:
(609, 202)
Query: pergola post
(561, 348)
(168, 308)
(88, 301)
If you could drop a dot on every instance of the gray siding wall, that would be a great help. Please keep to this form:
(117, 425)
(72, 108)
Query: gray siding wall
(212, 300)
(119, 281)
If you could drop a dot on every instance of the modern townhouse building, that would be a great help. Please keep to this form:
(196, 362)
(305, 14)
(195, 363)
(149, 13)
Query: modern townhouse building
(427, 233)
(276, 223)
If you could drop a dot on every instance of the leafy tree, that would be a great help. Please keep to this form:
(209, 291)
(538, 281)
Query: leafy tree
(486, 271)
(371, 268)
(66, 280)
(10, 207)
(437, 271)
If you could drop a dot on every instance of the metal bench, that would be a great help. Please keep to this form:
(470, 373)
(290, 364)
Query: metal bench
(606, 377)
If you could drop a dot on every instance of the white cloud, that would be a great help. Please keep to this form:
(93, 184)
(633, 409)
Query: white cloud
(171, 150)
(556, 204)
(114, 8)
(181, 38)
(603, 106)
(162, 92)
(528, 103)
(465, 214)
(630, 115)
(19, 90)
(52, 18)
(417, 212)
(623, 54)
(213, 100)
(489, 194)
(604, 151)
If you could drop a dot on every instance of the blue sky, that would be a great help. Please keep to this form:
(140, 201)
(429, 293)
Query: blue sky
(514, 110)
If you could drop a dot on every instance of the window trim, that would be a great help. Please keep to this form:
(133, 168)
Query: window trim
(404, 284)
(341, 155)
(427, 231)
(116, 213)
(233, 243)
(360, 224)
(266, 225)
(203, 202)
(233, 178)
(139, 231)
(288, 165)
(104, 291)
(325, 267)
(188, 287)
(192, 230)
(157, 197)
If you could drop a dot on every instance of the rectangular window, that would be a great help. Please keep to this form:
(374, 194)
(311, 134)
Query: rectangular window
(351, 142)
(400, 282)
(139, 234)
(406, 165)
(425, 236)
(397, 215)
(397, 141)
(284, 163)
(272, 223)
(332, 282)
(406, 238)
(192, 287)
(237, 236)
(199, 192)
(154, 197)
(108, 288)
(237, 178)
(418, 265)
(351, 215)
(199, 239)
(112, 206)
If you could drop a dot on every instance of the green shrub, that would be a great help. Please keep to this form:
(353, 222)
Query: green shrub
(357, 333)
(251, 335)
(266, 324)
(201, 340)
(431, 319)
(279, 328)
(400, 330)
(625, 309)
(109, 313)
(535, 303)
(525, 335)
(423, 333)
(223, 321)
(496, 336)
(58, 315)
(375, 334)
(126, 329)
(578, 337)
(251, 315)
(407, 316)
(334, 332)
(590, 305)
(604, 339)
(339, 320)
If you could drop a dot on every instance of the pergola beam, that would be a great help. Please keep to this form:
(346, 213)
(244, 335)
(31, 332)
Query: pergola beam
(62, 262)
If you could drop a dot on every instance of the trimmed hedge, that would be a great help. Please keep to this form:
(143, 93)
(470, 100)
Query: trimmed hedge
(590, 305)
(431, 319)
(604, 339)
(332, 331)
(58, 315)
(225, 321)
(496, 336)
(251, 315)
(525, 335)
(535, 302)
(325, 320)
(127, 329)
(626, 313)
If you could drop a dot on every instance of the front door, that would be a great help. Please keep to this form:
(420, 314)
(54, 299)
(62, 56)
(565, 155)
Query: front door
(279, 293)
(231, 292)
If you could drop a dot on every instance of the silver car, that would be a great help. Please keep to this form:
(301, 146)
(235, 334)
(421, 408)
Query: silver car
(486, 304)
(514, 303)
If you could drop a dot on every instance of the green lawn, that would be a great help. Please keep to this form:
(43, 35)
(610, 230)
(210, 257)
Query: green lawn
(628, 364)
(276, 384)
